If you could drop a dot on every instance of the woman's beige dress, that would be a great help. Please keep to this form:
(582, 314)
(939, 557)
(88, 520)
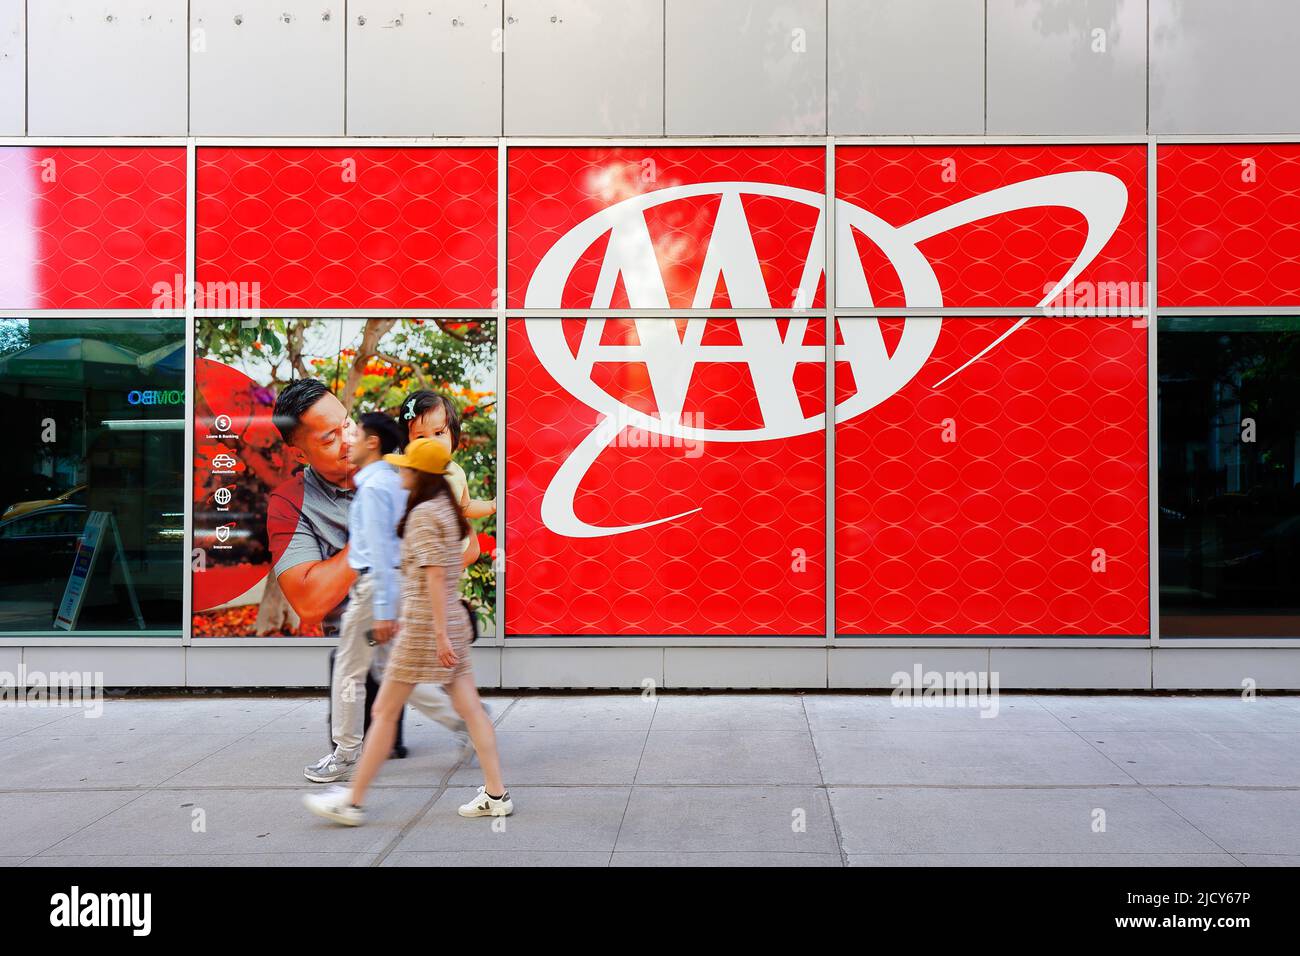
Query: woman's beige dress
(431, 539)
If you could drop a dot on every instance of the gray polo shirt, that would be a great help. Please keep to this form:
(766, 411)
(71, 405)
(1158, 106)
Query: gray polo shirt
(307, 520)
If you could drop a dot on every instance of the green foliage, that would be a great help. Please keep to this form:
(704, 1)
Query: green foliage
(228, 340)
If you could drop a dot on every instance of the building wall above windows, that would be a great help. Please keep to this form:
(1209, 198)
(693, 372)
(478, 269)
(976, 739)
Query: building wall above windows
(648, 67)
(110, 69)
(13, 67)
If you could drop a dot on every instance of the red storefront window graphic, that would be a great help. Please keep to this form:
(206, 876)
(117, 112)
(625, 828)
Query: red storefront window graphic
(666, 476)
(1009, 497)
(1229, 224)
(588, 551)
(84, 227)
(670, 206)
(992, 227)
(348, 228)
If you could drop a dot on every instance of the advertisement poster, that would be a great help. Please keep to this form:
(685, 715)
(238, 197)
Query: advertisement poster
(346, 227)
(258, 495)
(678, 492)
(668, 475)
(1003, 496)
(991, 471)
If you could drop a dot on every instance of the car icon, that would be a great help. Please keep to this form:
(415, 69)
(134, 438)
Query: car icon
(223, 462)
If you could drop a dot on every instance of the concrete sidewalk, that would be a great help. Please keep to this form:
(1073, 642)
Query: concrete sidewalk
(680, 779)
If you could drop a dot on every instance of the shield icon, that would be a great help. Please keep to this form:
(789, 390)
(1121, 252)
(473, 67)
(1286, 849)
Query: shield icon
(223, 533)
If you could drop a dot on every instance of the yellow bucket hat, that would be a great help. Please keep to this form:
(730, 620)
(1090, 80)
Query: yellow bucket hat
(423, 454)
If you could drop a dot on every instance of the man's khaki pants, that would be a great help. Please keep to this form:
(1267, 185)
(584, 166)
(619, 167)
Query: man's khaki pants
(351, 662)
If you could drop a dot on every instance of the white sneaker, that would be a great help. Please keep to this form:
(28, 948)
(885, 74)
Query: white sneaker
(484, 806)
(335, 804)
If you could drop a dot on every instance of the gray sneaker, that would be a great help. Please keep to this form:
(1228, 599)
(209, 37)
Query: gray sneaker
(331, 768)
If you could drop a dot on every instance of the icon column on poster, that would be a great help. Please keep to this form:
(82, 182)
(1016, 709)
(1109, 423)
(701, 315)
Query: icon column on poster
(225, 464)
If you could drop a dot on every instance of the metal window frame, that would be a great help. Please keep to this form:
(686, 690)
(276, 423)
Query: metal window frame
(1153, 429)
(191, 330)
(503, 314)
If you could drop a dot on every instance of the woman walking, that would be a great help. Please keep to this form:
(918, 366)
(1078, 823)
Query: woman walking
(433, 640)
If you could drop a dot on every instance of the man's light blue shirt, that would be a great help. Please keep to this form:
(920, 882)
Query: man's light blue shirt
(378, 505)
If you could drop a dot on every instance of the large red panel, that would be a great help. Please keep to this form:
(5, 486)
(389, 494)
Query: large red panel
(85, 227)
(743, 549)
(971, 499)
(667, 227)
(990, 226)
(349, 228)
(1229, 225)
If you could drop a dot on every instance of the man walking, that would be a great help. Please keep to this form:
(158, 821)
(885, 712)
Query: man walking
(369, 620)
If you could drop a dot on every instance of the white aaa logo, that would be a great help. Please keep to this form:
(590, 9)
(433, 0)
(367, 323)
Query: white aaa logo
(731, 258)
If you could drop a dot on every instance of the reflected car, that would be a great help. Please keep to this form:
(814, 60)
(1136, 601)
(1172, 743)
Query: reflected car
(38, 546)
(37, 551)
(73, 496)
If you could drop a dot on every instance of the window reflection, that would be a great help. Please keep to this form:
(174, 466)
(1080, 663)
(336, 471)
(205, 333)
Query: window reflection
(1229, 468)
(95, 414)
